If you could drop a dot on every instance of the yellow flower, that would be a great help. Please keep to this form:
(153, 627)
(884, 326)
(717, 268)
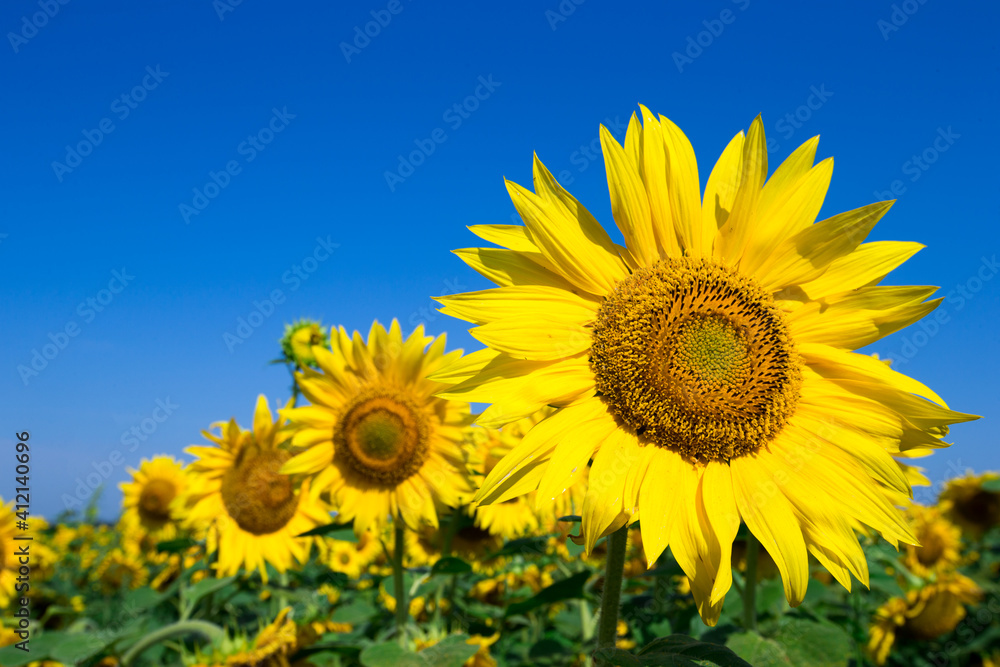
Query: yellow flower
(148, 498)
(119, 569)
(270, 648)
(707, 366)
(968, 504)
(251, 510)
(926, 613)
(351, 558)
(8, 562)
(375, 436)
(940, 542)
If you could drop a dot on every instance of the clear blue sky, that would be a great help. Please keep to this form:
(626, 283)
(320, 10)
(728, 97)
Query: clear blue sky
(300, 131)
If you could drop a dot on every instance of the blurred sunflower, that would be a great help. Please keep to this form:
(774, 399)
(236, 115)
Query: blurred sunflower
(940, 542)
(513, 518)
(148, 497)
(375, 436)
(968, 503)
(299, 339)
(707, 366)
(251, 510)
(926, 613)
(119, 569)
(270, 648)
(345, 557)
(8, 562)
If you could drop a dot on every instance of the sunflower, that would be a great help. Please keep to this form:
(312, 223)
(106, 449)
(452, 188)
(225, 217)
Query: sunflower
(252, 511)
(706, 367)
(8, 562)
(148, 497)
(972, 506)
(515, 517)
(926, 613)
(375, 435)
(119, 569)
(270, 648)
(299, 339)
(940, 542)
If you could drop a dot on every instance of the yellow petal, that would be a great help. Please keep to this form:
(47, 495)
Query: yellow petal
(512, 301)
(561, 240)
(769, 517)
(720, 192)
(629, 205)
(684, 190)
(536, 337)
(867, 265)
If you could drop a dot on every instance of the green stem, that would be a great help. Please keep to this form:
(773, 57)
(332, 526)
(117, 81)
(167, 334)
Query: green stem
(402, 609)
(607, 630)
(209, 631)
(750, 585)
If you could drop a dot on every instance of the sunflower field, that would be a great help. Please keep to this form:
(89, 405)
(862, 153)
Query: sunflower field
(668, 452)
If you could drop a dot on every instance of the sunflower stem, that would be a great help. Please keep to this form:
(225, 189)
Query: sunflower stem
(750, 585)
(399, 590)
(607, 630)
(209, 631)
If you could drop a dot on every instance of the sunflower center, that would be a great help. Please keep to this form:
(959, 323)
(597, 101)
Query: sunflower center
(257, 497)
(932, 548)
(154, 501)
(696, 358)
(382, 436)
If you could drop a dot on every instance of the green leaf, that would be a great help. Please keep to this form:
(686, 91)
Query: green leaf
(205, 587)
(449, 652)
(356, 612)
(523, 546)
(991, 485)
(621, 658)
(39, 648)
(689, 647)
(175, 546)
(571, 518)
(76, 648)
(337, 531)
(758, 651)
(142, 598)
(811, 644)
(390, 654)
(451, 565)
(564, 589)
(547, 648)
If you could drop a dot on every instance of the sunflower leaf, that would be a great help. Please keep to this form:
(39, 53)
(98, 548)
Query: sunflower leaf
(757, 650)
(811, 644)
(338, 531)
(451, 651)
(690, 648)
(175, 546)
(564, 589)
(390, 654)
(205, 587)
(450, 565)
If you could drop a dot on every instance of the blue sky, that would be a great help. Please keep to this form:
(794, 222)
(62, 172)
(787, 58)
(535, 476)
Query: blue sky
(170, 167)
